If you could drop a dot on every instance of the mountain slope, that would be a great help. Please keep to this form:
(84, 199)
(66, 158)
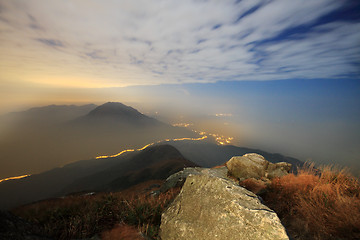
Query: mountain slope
(152, 163)
(120, 114)
(117, 173)
(34, 144)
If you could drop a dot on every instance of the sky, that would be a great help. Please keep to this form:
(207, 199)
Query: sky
(285, 73)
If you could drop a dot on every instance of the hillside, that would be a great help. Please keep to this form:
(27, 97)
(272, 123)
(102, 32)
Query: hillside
(107, 174)
(43, 138)
(152, 163)
(116, 173)
(315, 199)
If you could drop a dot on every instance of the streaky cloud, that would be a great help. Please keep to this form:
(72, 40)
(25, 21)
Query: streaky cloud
(51, 42)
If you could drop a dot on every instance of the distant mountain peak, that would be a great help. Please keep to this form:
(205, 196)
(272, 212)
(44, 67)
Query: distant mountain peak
(115, 109)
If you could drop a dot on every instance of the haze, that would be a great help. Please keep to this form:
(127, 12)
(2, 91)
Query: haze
(281, 76)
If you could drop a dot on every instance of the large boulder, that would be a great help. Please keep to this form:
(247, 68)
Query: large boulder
(254, 165)
(278, 169)
(210, 207)
(178, 179)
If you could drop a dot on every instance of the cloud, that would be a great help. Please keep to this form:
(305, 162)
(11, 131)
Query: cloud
(50, 42)
(153, 42)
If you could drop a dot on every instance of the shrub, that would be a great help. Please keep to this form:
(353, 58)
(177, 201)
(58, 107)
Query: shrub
(253, 185)
(317, 204)
(86, 216)
(122, 231)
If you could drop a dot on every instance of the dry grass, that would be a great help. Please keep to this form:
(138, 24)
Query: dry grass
(253, 185)
(123, 232)
(78, 217)
(219, 166)
(317, 204)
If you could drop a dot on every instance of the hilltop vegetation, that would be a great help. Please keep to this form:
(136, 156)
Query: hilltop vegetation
(314, 204)
(317, 204)
(104, 214)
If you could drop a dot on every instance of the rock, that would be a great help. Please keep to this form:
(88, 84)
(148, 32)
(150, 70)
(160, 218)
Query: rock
(253, 165)
(278, 169)
(178, 179)
(210, 207)
(247, 166)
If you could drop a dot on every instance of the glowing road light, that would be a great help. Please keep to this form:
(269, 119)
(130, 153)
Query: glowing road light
(186, 125)
(223, 115)
(219, 139)
(151, 144)
(12, 178)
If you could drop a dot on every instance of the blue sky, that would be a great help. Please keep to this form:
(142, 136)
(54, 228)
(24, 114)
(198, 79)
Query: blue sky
(283, 69)
(122, 43)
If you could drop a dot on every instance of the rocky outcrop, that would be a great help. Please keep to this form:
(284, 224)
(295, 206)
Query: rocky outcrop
(249, 166)
(211, 207)
(253, 165)
(178, 179)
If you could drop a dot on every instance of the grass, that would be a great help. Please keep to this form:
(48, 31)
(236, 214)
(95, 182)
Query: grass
(109, 215)
(317, 204)
(123, 232)
(313, 204)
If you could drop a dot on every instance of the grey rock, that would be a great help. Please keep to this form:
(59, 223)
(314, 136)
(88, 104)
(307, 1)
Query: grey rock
(211, 207)
(247, 166)
(278, 169)
(221, 172)
(178, 179)
(253, 165)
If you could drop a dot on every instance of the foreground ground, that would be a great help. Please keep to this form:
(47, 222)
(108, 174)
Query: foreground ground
(313, 204)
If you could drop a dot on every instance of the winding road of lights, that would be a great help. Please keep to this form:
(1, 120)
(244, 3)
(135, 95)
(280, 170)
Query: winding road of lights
(220, 139)
(150, 144)
(12, 178)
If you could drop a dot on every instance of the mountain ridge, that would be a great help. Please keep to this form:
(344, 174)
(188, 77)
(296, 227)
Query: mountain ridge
(57, 135)
(94, 175)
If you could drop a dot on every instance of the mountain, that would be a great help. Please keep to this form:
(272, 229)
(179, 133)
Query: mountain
(119, 114)
(43, 138)
(54, 112)
(130, 168)
(152, 163)
(37, 117)
(109, 174)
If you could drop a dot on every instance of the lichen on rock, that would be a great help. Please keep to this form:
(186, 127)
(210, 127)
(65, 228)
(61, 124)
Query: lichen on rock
(210, 207)
(254, 165)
